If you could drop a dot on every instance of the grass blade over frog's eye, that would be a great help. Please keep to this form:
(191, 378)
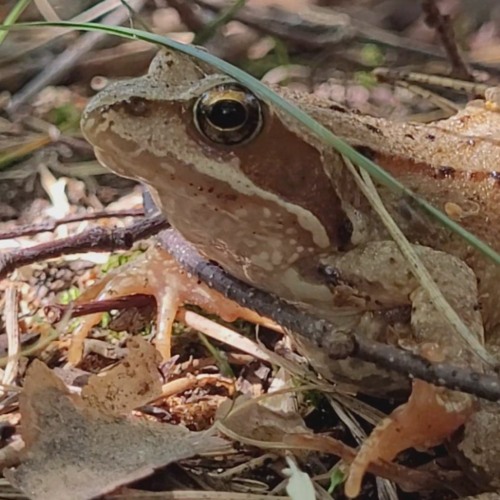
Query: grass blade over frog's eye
(228, 114)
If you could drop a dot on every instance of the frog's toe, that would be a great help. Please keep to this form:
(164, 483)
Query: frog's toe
(430, 416)
(156, 273)
(149, 274)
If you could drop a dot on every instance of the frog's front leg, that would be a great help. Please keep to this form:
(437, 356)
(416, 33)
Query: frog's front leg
(156, 273)
(379, 270)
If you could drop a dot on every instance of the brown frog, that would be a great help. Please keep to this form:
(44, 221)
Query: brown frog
(261, 196)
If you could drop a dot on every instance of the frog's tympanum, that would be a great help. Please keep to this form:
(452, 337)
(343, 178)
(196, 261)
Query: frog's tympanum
(255, 192)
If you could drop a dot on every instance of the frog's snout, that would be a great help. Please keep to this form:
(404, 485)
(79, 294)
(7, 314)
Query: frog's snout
(88, 125)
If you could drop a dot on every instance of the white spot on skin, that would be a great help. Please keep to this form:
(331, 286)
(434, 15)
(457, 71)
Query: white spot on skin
(241, 212)
(303, 290)
(300, 249)
(266, 213)
(264, 256)
(262, 260)
(276, 258)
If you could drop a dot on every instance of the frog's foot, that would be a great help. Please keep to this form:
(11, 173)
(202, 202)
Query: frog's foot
(156, 273)
(431, 415)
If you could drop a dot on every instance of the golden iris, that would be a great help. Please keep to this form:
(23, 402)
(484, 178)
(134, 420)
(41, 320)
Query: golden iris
(228, 114)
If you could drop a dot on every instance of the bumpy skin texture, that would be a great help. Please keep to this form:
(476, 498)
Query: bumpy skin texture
(479, 446)
(278, 208)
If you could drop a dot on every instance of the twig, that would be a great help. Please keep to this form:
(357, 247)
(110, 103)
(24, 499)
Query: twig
(11, 314)
(96, 240)
(127, 493)
(52, 224)
(338, 345)
(320, 28)
(393, 75)
(442, 24)
(57, 311)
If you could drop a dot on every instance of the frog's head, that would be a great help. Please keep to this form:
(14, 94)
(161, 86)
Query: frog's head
(180, 110)
(212, 149)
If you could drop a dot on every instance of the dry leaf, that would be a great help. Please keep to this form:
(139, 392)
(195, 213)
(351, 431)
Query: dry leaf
(75, 452)
(250, 419)
(131, 384)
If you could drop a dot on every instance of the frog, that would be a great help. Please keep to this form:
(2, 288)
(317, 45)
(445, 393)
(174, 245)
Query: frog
(254, 191)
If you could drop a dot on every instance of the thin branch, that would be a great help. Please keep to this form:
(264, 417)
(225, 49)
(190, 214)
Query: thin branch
(11, 315)
(325, 29)
(95, 240)
(57, 311)
(50, 225)
(443, 26)
(338, 345)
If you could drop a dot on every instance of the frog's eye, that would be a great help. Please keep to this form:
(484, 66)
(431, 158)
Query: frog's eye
(228, 114)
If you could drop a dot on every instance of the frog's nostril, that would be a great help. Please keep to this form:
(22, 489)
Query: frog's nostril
(136, 106)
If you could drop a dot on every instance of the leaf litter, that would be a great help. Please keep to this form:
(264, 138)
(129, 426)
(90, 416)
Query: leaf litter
(81, 447)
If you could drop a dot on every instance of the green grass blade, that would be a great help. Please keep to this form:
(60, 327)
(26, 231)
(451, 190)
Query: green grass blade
(12, 17)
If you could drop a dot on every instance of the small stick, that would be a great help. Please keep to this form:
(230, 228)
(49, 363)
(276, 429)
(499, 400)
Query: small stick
(96, 240)
(394, 75)
(50, 225)
(338, 345)
(11, 316)
(442, 24)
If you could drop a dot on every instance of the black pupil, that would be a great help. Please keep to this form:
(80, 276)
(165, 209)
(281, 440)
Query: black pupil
(227, 114)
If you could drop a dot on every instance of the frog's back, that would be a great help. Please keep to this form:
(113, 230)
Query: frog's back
(454, 164)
